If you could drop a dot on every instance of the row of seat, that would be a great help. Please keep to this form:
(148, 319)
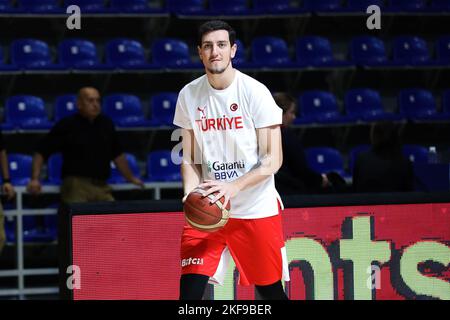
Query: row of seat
(159, 168)
(25, 112)
(266, 51)
(220, 7)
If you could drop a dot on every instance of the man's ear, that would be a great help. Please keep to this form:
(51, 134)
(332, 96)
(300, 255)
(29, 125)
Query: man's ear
(199, 52)
(233, 50)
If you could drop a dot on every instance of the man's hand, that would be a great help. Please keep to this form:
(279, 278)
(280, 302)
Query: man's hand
(34, 186)
(138, 182)
(8, 189)
(226, 189)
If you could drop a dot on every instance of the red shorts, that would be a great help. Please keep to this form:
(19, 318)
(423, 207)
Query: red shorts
(256, 245)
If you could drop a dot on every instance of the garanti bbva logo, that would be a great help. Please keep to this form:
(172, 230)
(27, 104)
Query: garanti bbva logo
(225, 170)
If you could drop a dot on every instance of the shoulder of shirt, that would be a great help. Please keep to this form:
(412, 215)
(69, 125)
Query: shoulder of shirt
(247, 80)
(193, 84)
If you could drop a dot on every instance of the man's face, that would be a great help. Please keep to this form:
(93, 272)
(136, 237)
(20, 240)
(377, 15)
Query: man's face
(89, 103)
(216, 51)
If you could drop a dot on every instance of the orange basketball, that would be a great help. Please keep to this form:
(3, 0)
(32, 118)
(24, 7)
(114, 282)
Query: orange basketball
(203, 215)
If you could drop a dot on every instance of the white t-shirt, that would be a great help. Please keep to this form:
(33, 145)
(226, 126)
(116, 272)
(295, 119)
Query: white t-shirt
(224, 124)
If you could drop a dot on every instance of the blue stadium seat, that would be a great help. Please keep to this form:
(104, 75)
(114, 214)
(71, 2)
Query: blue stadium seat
(415, 153)
(440, 5)
(443, 50)
(20, 168)
(41, 6)
(34, 229)
(325, 159)
(79, 54)
(406, 5)
(366, 105)
(229, 7)
(88, 6)
(6, 6)
(133, 6)
(411, 50)
(362, 5)
(418, 105)
(186, 7)
(172, 53)
(116, 176)
(65, 105)
(163, 108)
(126, 54)
(54, 165)
(322, 5)
(368, 51)
(160, 167)
(27, 112)
(353, 155)
(317, 52)
(274, 7)
(321, 107)
(271, 52)
(125, 110)
(32, 54)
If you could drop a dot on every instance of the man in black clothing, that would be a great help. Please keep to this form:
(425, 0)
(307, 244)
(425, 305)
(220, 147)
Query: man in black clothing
(295, 176)
(7, 188)
(88, 142)
(383, 168)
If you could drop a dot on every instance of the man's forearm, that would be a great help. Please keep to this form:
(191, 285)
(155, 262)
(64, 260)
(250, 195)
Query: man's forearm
(38, 160)
(4, 164)
(122, 165)
(191, 174)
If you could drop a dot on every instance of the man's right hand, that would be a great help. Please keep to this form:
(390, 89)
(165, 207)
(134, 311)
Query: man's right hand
(34, 186)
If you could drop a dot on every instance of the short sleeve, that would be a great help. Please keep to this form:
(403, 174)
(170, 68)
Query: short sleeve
(181, 118)
(264, 109)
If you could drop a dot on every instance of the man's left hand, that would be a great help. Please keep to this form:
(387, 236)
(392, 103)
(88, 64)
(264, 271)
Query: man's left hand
(226, 189)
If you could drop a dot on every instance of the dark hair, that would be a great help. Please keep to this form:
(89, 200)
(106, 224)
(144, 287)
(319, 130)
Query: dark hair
(385, 137)
(214, 25)
(283, 100)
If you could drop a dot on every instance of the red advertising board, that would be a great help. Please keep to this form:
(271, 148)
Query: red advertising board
(382, 252)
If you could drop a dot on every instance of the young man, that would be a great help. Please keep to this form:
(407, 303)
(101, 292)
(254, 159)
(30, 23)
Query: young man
(88, 142)
(231, 145)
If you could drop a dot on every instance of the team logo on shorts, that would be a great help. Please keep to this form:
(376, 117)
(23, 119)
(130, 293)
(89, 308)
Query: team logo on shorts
(234, 107)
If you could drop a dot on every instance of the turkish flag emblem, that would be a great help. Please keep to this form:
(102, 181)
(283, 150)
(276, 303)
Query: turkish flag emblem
(234, 107)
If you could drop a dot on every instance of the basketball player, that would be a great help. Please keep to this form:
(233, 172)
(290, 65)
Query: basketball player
(231, 145)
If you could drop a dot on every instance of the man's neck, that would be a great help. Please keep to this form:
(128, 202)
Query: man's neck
(223, 80)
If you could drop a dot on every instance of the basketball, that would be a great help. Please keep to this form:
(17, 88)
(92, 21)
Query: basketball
(203, 215)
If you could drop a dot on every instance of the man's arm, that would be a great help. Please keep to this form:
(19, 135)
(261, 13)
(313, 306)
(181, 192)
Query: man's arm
(7, 187)
(271, 159)
(122, 165)
(190, 167)
(34, 186)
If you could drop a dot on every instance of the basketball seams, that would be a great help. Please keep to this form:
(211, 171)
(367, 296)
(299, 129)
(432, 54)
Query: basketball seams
(200, 210)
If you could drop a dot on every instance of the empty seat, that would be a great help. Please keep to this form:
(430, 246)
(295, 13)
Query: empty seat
(415, 153)
(88, 6)
(270, 52)
(274, 7)
(316, 51)
(322, 5)
(6, 6)
(126, 53)
(325, 159)
(41, 6)
(117, 177)
(160, 167)
(443, 50)
(27, 112)
(368, 51)
(79, 54)
(125, 110)
(65, 105)
(19, 168)
(362, 5)
(366, 105)
(411, 50)
(133, 6)
(171, 53)
(32, 54)
(418, 105)
(406, 5)
(321, 107)
(54, 166)
(186, 7)
(163, 108)
(34, 228)
(230, 7)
